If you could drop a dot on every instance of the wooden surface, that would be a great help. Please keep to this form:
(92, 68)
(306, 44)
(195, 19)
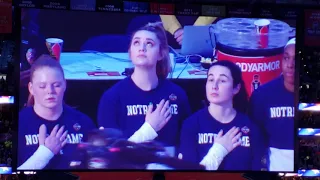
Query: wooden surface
(148, 176)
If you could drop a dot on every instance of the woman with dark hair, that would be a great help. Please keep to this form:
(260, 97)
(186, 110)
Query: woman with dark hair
(146, 105)
(201, 134)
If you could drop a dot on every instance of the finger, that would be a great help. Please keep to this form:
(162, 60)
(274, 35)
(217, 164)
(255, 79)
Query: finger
(164, 122)
(160, 106)
(236, 144)
(168, 118)
(64, 135)
(236, 138)
(178, 33)
(54, 130)
(168, 112)
(63, 143)
(59, 133)
(179, 39)
(150, 108)
(42, 134)
(165, 107)
(232, 132)
(220, 133)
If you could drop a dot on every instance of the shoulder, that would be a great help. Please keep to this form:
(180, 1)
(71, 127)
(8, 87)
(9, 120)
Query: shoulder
(26, 117)
(269, 86)
(25, 113)
(265, 90)
(243, 118)
(77, 116)
(246, 121)
(169, 85)
(194, 119)
(117, 88)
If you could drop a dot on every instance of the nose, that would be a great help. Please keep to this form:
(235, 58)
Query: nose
(142, 47)
(291, 63)
(50, 90)
(215, 85)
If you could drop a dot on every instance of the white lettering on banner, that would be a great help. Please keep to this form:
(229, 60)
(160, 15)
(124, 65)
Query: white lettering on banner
(259, 67)
(280, 112)
(33, 139)
(134, 110)
(208, 138)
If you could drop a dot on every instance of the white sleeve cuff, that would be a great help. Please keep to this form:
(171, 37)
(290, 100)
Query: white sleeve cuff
(145, 133)
(38, 160)
(214, 157)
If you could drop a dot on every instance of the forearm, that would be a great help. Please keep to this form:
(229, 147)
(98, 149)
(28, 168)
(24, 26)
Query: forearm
(170, 23)
(214, 157)
(145, 133)
(204, 20)
(38, 160)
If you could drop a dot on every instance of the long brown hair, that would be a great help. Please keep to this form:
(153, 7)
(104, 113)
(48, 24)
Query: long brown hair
(163, 66)
(41, 62)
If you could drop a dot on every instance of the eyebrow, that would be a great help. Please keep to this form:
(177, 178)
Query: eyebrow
(56, 82)
(219, 75)
(149, 39)
(287, 54)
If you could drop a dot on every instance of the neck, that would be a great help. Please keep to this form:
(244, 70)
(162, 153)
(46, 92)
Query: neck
(289, 86)
(222, 113)
(48, 114)
(145, 79)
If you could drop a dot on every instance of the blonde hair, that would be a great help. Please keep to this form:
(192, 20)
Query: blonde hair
(163, 66)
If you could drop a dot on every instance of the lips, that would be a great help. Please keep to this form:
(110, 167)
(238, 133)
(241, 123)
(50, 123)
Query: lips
(50, 99)
(290, 73)
(142, 56)
(214, 94)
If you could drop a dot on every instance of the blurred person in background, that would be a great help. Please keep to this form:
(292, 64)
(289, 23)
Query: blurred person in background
(174, 27)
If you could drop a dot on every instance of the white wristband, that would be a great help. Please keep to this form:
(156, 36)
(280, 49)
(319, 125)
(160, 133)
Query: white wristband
(38, 160)
(214, 157)
(145, 133)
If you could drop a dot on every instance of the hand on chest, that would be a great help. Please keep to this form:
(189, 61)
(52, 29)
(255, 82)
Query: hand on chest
(208, 138)
(140, 107)
(74, 136)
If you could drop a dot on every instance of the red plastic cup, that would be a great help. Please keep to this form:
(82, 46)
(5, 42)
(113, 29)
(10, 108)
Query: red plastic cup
(54, 46)
(262, 29)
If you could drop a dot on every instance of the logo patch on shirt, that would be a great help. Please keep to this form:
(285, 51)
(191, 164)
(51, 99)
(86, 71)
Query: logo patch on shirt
(173, 97)
(245, 130)
(76, 126)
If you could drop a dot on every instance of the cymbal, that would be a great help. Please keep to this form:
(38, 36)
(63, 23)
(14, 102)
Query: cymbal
(5, 137)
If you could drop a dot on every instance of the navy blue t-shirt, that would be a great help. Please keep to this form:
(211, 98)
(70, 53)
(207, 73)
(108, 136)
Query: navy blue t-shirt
(197, 137)
(77, 124)
(272, 109)
(124, 107)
